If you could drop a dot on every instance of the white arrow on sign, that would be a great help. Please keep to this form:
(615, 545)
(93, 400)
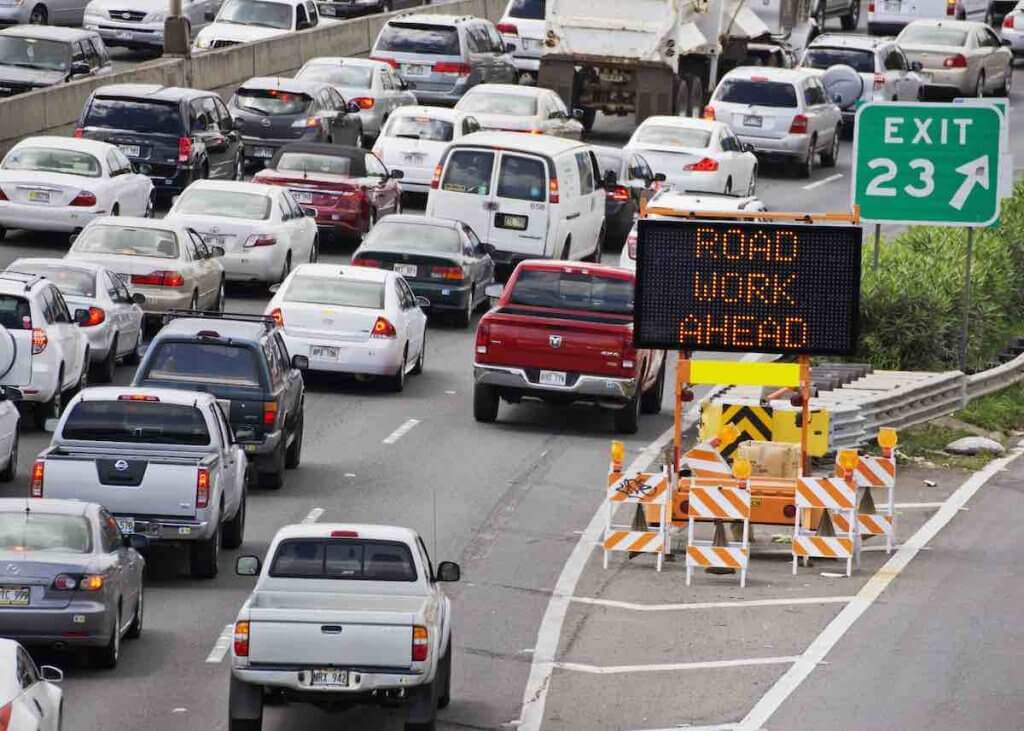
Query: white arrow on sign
(975, 172)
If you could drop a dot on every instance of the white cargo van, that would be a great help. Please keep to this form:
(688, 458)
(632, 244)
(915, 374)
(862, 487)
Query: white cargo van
(889, 17)
(527, 196)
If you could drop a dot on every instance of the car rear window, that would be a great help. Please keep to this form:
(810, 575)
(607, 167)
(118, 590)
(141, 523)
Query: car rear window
(409, 236)
(140, 422)
(306, 162)
(15, 312)
(757, 92)
(317, 558)
(468, 171)
(134, 115)
(124, 241)
(482, 102)
(420, 128)
(522, 178)
(526, 9)
(573, 291)
(226, 203)
(340, 292)
(187, 361)
(25, 530)
(930, 35)
(70, 281)
(437, 40)
(355, 77)
(862, 61)
(656, 134)
(271, 102)
(53, 160)
(609, 160)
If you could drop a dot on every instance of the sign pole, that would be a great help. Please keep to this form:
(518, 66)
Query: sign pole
(878, 244)
(966, 305)
(805, 412)
(682, 379)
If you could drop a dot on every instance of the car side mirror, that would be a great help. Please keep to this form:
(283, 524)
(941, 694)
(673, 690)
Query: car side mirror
(247, 566)
(352, 107)
(494, 290)
(51, 674)
(274, 288)
(1006, 42)
(210, 15)
(448, 571)
(300, 361)
(50, 425)
(660, 177)
(916, 66)
(81, 316)
(577, 113)
(80, 68)
(397, 174)
(137, 541)
(309, 212)
(216, 251)
(610, 179)
(423, 303)
(138, 298)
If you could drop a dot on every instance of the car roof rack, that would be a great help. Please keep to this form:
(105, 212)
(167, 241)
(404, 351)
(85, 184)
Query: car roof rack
(267, 321)
(28, 278)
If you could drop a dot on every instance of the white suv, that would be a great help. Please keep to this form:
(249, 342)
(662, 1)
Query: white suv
(60, 350)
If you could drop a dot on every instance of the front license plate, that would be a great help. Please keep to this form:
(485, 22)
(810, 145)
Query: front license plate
(323, 352)
(131, 150)
(516, 223)
(14, 596)
(552, 378)
(124, 35)
(265, 152)
(751, 120)
(328, 678)
(39, 196)
(302, 196)
(411, 69)
(127, 525)
(406, 270)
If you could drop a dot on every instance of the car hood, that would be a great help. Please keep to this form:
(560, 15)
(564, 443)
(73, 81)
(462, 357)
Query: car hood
(36, 77)
(237, 33)
(140, 5)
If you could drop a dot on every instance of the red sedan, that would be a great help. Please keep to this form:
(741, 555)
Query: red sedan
(349, 188)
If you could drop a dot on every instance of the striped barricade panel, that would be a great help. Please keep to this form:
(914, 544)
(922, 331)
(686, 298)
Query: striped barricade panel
(634, 541)
(868, 524)
(647, 488)
(817, 546)
(725, 503)
(825, 492)
(726, 557)
(875, 472)
(704, 461)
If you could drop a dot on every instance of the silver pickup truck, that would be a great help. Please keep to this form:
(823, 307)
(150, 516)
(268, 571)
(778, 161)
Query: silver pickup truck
(162, 461)
(341, 615)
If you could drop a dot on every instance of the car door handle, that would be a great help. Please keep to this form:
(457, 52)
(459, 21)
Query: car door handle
(331, 629)
(572, 216)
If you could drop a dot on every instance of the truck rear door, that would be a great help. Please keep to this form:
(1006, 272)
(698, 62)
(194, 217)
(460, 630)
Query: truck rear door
(520, 204)
(632, 30)
(465, 189)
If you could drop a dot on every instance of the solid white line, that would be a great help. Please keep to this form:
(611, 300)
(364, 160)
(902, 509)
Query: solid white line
(706, 665)
(824, 181)
(401, 431)
(220, 647)
(835, 630)
(314, 516)
(715, 727)
(712, 605)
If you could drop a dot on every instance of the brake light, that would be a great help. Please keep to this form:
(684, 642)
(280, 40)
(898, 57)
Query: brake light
(159, 278)
(3, 196)
(799, 125)
(344, 534)
(628, 353)
(879, 81)
(96, 316)
(383, 328)
(619, 193)
(259, 240)
(202, 488)
(137, 397)
(38, 472)
(553, 188)
(704, 165)
(959, 61)
(436, 182)
(184, 149)
(451, 67)
(631, 244)
(84, 199)
(1008, 21)
(207, 334)
(951, 7)
(709, 113)
(364, 102)
(269, 414)
(308, 122)
(277, 316)
(39, 340)
(384, 59)
(871, 7)
(64, 582)
(420, 643)
(241, 639)
(451, 273)
(483, 337)
(361, 262)
(79, 133)
(507, 28)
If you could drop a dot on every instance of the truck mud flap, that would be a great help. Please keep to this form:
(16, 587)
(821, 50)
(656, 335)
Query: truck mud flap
(559, 76)
(655, 91)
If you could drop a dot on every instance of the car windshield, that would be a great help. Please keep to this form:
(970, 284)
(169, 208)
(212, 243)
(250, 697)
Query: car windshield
(410, 236)
(134, 116)
(757, 92)
(195, 361)
(52, 160)
(15, 312)
(862, 60)
(140, 422)
(254, 12)
(271, 102)
(125, 241)
(223, 203)
(311, 163)
(315, 290)
(34, 53)
(672, 135)
(421, 128)
(70, 281)
(438, 40)
(318, 558)
(573, 291)
(355, 77)
(519, 105)
(931, 35)
(30, 530)
(526, 9)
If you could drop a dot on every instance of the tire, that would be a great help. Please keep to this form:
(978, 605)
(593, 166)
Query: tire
(819, 16)
(239, 173)
(115, 210)
(567, 249)
(108, 655)
(286, 268)
(650, 402)
(422, 707)
(830, 158)
(3, 233)
(851, 19)
(627, 419)
(1007, 82)
(293, 455)
(422, 358)
(245, 706)
(135, 628)
(588, 119)
(194, 304)
(105, 370)
(274, 479)
(485, 403)
(11, 470)
(148, 213)
(83, 380)
(464, 317)
(218, 305)
(233, 532)
(444, 694)
(396, 383)
(134, 356)
(696, 96)
(805, 169)
(52, 408)
(595, 257)
(39, 15)
(979, 91)
(314, 252)
(752, 186)
(728, 186)
(202, 557)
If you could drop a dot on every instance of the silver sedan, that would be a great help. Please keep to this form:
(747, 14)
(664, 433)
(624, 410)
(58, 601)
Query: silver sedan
(958, 58)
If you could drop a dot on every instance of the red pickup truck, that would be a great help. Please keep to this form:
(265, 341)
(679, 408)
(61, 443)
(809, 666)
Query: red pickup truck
(562, 332)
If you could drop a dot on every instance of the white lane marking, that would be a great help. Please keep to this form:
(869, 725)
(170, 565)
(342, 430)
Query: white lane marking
(838, 627)
(715, 727)
(401, 431)
(220, 647)
(314, 516)
(918, 506)
(823, 181)
(536, 692)
(712, 605)
(670, 666)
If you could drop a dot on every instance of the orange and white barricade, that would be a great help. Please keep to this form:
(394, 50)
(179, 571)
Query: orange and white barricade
(873, 518)
(835, 497)
(643, 490)
(706, 463)
(725, 504)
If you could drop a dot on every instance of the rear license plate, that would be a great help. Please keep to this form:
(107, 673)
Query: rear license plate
(14, 596)
(213, 240)
(266, 152)
(302, 196)
(39, 196)
(892, 6)
(131, 150)
(406, 270)
(530, 45)
(323, 352)
(413, 156)
(552, 378)
(751, 120)
(411, 69)
(127, 525)
(328, 678)
(516, 223)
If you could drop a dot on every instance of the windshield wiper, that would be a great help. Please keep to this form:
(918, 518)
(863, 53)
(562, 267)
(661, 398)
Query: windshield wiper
(409, 136)
(250, 108)
(265, 25)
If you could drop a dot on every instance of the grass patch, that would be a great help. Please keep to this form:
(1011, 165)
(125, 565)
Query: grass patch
(925, 442)
(1002, 411)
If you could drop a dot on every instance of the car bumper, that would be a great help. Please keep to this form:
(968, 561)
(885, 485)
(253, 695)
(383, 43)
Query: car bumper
(381, 358)
(440, 98)
(46, 218)
(1016, 39)
(268, 147)
(292, 678)
(255, 264)
(415, 186)
(442, 297)
(167, 530)
(788, 146)
(161, 299)
(44, 382)
(99, 337)
(339, 219)
(80, 624)
(127, 35)
(580, 387)
(947, 85)
(707, 182)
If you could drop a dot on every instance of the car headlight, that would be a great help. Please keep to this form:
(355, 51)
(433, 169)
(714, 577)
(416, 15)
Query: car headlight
(202, 43)
(156, 17)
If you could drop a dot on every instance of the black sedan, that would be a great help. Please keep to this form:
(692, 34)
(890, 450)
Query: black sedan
(628, 178)
(441, 260)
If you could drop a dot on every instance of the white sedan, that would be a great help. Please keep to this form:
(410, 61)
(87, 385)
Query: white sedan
(30, 699)
(356, 320)
(696, 155)
(63, 183)
(261, 228)
(414, 138)
(514, 108)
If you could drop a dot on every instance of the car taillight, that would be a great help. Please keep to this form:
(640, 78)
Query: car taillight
(959, 61)
(1008, 21)
(3, 196)
(435, 183)
(269, 414)
(365, 102)
(631, 244)
(799, 125)
(96, 317)
(38, 472)
(709, 113)
(420, 643)
(879, 81)
(361, 262)
(64, 582)
(553, 188)
(451, 273)
(159, 278)
(241, 639)
(507, 28)
(277, 316)
(39, 340)
(79, 133)
(70, 582)
(384, 59)
(202, 488)
(184, 149)
(308, 122)
(871, 7)
(383, 328)
(628, 354)
(259, 240)
(483, 337)
(704, 165)
(139, 397)
(451, 67)
(618, 193)
(84, 199)
(951, 7)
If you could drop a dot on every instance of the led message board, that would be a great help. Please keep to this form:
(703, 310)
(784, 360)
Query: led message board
(747, 287)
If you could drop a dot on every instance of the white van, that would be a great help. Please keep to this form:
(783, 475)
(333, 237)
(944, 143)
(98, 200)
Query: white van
(528, 196)
(889, 17)
(414, 138)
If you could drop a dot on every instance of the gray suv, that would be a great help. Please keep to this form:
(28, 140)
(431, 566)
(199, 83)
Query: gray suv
(441, 56)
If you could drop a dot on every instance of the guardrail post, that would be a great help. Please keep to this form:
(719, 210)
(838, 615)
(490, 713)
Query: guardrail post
(966, 304)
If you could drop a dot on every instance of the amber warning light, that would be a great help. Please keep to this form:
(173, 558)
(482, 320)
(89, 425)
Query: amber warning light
(747, 287)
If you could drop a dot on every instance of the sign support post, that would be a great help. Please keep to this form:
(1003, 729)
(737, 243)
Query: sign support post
(878, 245)
(966, 303)
(805, 412)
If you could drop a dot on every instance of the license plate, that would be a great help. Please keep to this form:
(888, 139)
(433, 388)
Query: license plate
(39, 196)
(124, 35)
(14, 596)
(516, 223)
(328, 678)
(212, 240)
(552, 378)
(406, 270)
(323, 352)
(414, 156)
(415, 70)
(750, 120)
(266, 152)
(892, 7)
(131, 150)
(302, 196)
(529, 45)
(127, 525)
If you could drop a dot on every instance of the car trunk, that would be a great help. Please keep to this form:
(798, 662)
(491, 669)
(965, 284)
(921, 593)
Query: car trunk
(414, 157)
(413, 265)
(45, 189)
(328, 322)
(231, 233)
(321, 190)
(144, 147)
(124, 267)
(671, 162)
(931, 57)
(25, 569)
(506, 122)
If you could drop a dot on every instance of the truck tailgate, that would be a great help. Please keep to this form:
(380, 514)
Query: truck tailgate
(615, 31)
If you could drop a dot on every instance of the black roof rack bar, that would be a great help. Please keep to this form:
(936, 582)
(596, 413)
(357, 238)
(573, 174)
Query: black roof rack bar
(267, 321)
(30, 278)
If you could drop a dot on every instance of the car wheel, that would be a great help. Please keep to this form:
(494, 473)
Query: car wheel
(650, 402)
(39, 15)
(830, 158)
(218, 305)
(805, 169)
(752, 186)
(293, 455)
(245, 706)
(589, 117)
(819, 16)
(396, 383)
(234, 530)
(980, 90)
(360, 140)
(3, 233)
(464, 318)
(728, 186)
(421, 359)
(852, 18)
(485, 403)
(52, 408)
(286, 268)
(11, 470)
(567, 249)
(444, 695)
(194, 304)
(135, 628)
(105, 370)
(108, 655)
(83, 380)
(148, 212)
(1007, 81)
(134, 356)
(115, 210)
(627, 419)
(314, 250)
(385, 6)
(989, 17)
(239, 167)
(203, 557)
(274, 479)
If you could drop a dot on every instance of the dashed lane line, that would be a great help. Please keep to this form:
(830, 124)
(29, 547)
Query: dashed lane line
(674, 666)
(632, 606)
(314, 516)
(823, 181)
(401, 431)
(220, 647)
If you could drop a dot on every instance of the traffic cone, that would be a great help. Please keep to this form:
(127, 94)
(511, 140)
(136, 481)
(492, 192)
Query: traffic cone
(825, 528)
(719, 540)
(639, 525)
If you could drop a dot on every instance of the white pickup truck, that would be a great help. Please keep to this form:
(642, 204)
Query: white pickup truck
(342, 615)
(162, 461)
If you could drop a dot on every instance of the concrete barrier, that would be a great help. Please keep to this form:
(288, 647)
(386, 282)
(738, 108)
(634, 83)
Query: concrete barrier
(55, 110)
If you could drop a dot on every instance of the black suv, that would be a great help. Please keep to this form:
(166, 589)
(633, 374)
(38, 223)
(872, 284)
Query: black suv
(242, 360)
(173, 135)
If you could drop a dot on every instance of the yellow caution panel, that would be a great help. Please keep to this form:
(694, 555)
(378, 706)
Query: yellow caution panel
(786, 428)
(751, 422)
(763, 423)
